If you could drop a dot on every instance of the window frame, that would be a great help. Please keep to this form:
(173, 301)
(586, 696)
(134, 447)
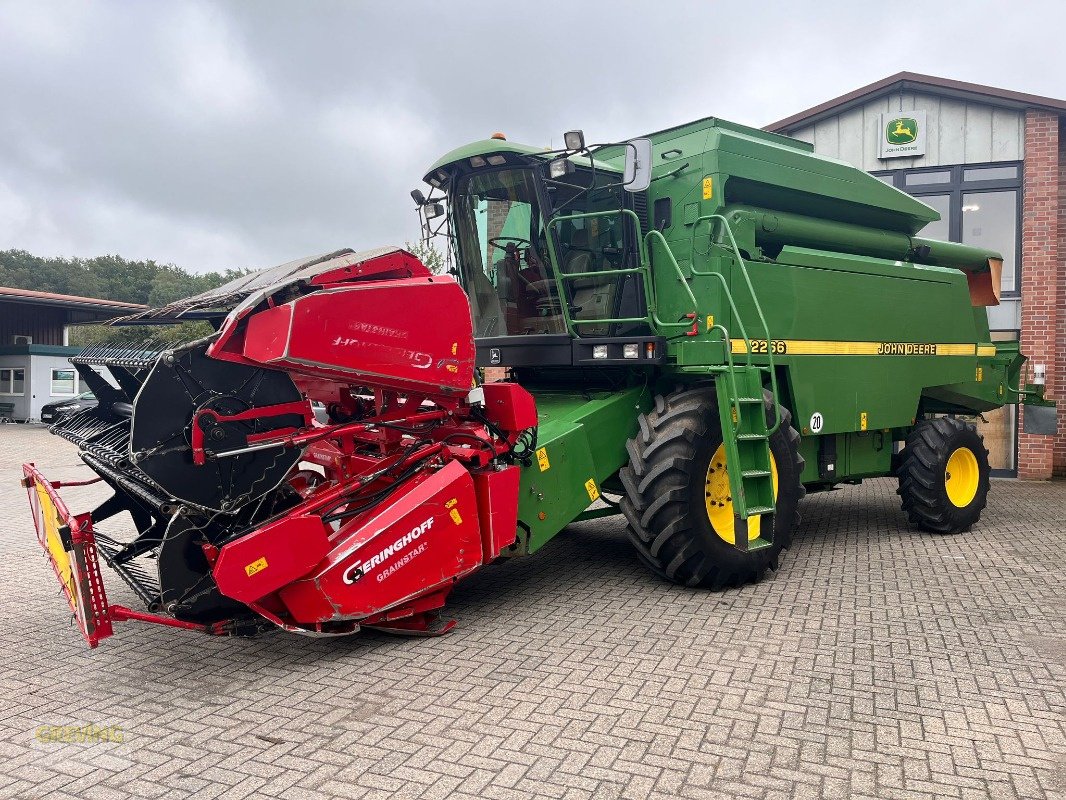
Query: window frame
(52, 381)
(8, 389)
(1012, 470)
(955, 188)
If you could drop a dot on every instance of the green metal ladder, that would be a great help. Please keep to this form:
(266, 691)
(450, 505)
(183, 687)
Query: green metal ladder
(742, 409)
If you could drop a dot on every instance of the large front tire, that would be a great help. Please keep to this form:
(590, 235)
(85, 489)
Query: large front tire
(943, 475)
(672, 482)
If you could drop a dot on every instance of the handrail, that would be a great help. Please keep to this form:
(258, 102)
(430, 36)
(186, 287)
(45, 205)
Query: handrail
(610, 321)
(755, 301)
(573, 276)
(1023, 393)
(559, 278)
(681, 278)
(731, 371)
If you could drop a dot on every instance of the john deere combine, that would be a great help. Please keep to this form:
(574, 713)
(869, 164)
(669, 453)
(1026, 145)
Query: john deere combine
(700, 326)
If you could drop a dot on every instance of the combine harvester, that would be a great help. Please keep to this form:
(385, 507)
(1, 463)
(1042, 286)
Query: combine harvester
(700, 326)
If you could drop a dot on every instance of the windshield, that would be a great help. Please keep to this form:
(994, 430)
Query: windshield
(503, 254)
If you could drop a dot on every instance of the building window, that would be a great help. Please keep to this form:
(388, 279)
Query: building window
(12, 381)
(979, 205)
(924, 178)
(990, 221)
(941, 229)
(63, 382)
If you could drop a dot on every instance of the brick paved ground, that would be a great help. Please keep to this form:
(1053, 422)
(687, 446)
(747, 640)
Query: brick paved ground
(880, 662)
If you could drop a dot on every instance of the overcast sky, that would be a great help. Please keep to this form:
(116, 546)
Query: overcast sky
(245, 134)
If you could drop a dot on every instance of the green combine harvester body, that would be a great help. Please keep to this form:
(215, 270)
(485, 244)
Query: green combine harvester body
(749, 266)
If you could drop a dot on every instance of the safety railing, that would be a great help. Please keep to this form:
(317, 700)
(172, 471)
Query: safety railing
(713, 218)
(561, 278)
(695, 314)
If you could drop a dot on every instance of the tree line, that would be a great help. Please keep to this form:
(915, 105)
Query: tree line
(107, 277)
(117, 278)
(147, 282)
(110, 278)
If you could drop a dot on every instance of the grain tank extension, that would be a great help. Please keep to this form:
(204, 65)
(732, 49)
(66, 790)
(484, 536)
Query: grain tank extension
(699, 327)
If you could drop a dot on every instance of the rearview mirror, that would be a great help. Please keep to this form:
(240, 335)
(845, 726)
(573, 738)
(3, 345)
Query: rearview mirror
(418, 197)
(636, 176)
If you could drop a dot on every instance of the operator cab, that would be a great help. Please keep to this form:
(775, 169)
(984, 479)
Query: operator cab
(547, 247)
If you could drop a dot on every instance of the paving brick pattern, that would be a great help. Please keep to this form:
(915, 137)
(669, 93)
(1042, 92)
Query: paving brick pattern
(878, 663)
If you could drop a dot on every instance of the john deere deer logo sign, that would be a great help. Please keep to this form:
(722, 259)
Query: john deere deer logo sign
(902, 135)
(902, 130)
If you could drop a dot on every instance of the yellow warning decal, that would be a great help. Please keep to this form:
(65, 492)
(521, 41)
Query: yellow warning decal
(980, 375)
(862, 420)
(710, 321)
(454, 514)
(815, 347)
(542, 459)
(708, 188)
(56, 551)
(590, 487)
(258, 565)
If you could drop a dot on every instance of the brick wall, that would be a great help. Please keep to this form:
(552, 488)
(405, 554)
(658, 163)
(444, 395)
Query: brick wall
(1043, 281)
(1059, 454)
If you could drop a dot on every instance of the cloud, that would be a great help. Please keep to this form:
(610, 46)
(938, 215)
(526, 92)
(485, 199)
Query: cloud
(214, 75)
(246, 134)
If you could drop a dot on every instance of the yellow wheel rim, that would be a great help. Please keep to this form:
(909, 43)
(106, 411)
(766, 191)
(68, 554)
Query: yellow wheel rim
(719, 500)
(962, 477)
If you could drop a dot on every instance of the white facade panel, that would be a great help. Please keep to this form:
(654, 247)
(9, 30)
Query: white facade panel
(958, 133)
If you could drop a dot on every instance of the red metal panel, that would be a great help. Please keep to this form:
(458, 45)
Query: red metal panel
(270, 557)
(510, 406)
(497, 503)
(412, 334)
(398, 264)
(422, 538)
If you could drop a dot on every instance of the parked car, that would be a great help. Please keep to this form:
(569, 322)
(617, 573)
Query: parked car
(53, 412)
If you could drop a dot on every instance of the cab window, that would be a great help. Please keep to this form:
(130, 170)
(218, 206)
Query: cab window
(503, 255)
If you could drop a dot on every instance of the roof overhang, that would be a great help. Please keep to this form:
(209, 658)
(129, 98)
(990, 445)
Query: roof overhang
(927, 84)
(104, 308)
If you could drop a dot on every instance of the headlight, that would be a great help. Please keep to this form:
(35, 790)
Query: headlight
(599, 351)
(560, 167)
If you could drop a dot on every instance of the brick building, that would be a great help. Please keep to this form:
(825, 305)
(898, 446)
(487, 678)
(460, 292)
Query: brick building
(993, 162)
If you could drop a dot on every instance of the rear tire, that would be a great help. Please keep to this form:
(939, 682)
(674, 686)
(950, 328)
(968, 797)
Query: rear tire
(666, 501)
(943, 475)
